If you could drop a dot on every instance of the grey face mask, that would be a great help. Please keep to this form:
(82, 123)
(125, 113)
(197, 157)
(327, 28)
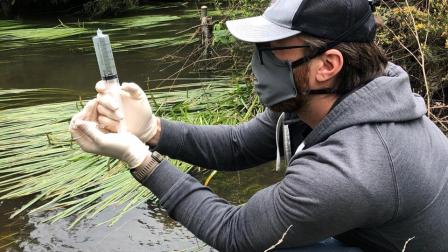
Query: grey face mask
(274, 79)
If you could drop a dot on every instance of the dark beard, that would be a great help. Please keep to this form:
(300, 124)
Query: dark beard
(289, 106)
(297, 103)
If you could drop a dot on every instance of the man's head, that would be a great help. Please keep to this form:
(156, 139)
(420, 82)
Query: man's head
(332, 50)
(339, 70)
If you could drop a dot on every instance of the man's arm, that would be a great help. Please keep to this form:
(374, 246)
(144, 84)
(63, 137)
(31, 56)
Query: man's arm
(325, 192)
(317, 199)
(221, 147)
(232, 147)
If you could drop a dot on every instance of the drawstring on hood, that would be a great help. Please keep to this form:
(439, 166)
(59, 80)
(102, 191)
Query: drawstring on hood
(286, 142)
(387, 98)
(280, 122)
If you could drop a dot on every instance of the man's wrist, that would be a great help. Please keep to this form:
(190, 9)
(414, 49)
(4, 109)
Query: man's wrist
(155, 139)
(147, 167)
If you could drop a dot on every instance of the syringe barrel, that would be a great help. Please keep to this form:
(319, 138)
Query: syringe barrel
(108, 71)
(105, 57)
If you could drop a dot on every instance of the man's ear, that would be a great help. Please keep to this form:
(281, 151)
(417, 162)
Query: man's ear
(330, 65)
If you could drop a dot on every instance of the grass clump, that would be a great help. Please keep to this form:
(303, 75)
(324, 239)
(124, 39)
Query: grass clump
(39, 159)
(15, 35)
(142, 21)
(42, 34)
(11, 25)
(14, 98)
(137, 44)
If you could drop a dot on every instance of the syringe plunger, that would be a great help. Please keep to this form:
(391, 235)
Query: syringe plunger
(105, 56)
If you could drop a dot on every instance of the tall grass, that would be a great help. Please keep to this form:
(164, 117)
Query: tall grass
(13, 98)
(39, 159)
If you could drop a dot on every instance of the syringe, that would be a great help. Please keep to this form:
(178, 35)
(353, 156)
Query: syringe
(108, 71)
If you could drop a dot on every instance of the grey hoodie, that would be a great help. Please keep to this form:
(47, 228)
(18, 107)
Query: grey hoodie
(373, 174)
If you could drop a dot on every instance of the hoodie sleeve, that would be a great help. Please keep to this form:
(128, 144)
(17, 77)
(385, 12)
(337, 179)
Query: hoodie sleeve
(221, 147)
(315, 199)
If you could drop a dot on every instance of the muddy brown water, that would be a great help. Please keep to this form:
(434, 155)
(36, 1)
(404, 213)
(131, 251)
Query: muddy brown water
(70, 64)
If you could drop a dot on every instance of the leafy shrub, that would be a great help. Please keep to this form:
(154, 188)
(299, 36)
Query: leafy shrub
(221, 35)
(416, 37)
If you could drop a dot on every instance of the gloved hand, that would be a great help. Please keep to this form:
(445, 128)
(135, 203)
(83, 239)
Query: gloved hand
(137, 112)
(123, 145)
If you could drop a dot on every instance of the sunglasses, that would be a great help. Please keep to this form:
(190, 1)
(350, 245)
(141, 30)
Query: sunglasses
(266, 47)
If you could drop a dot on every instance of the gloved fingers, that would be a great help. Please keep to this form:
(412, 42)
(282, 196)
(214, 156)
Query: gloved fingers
(133, 90)
(100, 87)
(76, 117)
(109, 107)
(90, 110)
(108, 124)
(90, 130)
(116, 115)
(108, 102)
(87, 113)
(73, 120)
(77, 136)
(82, 139)
(74, 132)
(73, 127)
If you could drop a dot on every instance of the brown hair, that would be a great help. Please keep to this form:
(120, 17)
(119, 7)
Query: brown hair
(363, 62)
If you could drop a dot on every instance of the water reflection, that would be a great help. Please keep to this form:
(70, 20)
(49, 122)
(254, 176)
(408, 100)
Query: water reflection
(237, 187)
(146, 228)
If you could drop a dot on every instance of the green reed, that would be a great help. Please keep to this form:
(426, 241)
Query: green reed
(39, 159)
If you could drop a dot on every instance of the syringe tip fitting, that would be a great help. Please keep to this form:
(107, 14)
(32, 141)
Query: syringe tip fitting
(99, 32)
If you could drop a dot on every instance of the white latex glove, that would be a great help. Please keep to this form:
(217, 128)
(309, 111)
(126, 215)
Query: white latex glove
(123, 145)
(137, 112)
(88, 113)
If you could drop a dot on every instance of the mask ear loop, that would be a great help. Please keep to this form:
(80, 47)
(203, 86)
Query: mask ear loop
(260, 54)
(319, 51)
(320, 91)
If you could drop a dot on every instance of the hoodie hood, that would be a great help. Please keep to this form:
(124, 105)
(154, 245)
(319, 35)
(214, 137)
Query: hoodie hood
(388, 98)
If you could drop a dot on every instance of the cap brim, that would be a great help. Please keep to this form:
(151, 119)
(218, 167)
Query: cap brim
(258, 30)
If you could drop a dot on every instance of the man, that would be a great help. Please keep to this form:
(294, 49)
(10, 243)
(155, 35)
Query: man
(365, 165)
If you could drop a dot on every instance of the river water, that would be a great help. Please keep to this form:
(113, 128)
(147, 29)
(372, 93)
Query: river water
(145, 51)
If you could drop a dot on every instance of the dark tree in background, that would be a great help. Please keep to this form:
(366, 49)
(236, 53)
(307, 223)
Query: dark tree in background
(89, 8)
